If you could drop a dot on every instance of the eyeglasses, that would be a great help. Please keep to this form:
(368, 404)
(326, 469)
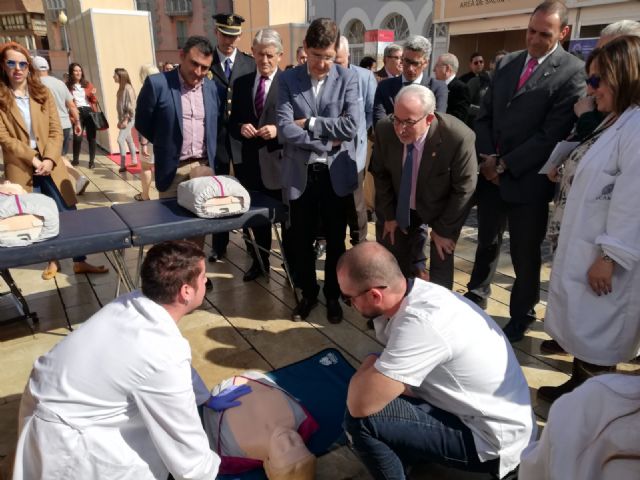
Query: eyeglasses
(348, 299)
(406, 123)
(478, 62)
(593, 81)
(13, 64)
(412, 63)
(395, 57)
(322, 58)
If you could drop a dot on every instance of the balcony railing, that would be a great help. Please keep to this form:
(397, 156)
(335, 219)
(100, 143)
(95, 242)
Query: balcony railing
(178, 7)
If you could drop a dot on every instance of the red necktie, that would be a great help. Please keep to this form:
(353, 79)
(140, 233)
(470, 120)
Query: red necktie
(531, 66)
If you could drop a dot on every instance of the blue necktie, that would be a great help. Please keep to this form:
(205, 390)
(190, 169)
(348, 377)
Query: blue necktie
(227, 68)
(404, 196)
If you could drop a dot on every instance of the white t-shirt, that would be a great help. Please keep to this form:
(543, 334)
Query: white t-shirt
(457, 359)
(80, 96)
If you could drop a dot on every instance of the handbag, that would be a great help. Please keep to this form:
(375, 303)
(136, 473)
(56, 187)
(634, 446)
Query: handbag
(99, 119)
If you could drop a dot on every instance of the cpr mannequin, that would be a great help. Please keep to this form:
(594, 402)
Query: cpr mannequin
(266, 428)
(25, 218)
(212, 196)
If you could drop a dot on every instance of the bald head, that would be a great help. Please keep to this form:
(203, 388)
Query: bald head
(368, 264)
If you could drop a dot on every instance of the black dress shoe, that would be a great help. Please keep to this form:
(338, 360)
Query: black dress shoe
(75, 162)
(552, 347)
(215, 256)
(303, 308)
(254, 272)
(209, 285)
(515, 329)
(551, 394)
(334, 311)
(477, 299)
(91, 165)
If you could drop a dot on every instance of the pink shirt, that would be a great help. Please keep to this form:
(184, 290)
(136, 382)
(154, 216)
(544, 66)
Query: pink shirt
(418, 148)
(193, 130)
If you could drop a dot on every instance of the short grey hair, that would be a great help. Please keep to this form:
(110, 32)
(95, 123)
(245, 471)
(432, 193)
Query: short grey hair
(268, 36)
(622, 27)
(391, 49)
(418, 43)
(422, 93)
(344, 43)
(451, 60)
(146, 70)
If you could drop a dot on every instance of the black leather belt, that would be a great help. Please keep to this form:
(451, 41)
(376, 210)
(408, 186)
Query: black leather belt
(317, 167)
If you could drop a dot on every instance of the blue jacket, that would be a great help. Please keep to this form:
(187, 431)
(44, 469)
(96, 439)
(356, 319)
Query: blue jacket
(159, 119)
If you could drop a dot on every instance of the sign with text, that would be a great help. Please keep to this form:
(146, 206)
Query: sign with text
(474, 8)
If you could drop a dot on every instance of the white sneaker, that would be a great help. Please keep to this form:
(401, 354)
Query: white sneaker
(81, 184)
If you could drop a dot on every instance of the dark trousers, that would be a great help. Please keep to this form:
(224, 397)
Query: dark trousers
(45, 186)
(90, 129)
(409, 431)
(527, 227)
(410, 252)
(318, 201)
(66, 136)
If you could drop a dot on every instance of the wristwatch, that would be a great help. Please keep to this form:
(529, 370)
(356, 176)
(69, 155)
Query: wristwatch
(500, 166)
(606, 257)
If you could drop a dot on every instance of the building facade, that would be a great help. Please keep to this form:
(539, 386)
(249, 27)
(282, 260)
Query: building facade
(486, 26)
(23, 21)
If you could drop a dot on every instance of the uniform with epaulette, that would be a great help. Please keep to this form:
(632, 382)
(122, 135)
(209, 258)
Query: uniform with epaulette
(227, 25)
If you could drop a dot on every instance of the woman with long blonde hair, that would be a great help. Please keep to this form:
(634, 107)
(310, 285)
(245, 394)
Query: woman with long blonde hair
(146, 149)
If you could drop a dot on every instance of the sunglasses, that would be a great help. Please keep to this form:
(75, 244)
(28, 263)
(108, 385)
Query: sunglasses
(348, 299)
(593, 81)
(13, 64)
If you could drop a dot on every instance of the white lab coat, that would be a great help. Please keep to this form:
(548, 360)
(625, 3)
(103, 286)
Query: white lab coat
(593, 433)
(115, 400)
(602, 212)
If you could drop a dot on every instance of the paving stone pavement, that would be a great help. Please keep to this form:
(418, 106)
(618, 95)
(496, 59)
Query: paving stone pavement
(240, 326)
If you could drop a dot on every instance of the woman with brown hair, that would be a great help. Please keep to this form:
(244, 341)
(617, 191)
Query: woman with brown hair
(126, 108)
(31, 139)
(84, 96)
(593, 307)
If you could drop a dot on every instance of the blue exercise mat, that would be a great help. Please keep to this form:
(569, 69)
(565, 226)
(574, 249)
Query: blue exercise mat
(320, 384)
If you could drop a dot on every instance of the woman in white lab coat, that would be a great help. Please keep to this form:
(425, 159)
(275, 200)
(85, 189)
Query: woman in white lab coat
(593, 308)
(592, 434)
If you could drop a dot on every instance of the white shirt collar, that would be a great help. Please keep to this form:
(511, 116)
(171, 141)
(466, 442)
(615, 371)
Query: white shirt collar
(540, 59)
(223, 57)
(417, 80)
(448, 80)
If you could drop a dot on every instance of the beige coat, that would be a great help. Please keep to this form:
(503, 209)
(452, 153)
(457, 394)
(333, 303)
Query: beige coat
(18, 155)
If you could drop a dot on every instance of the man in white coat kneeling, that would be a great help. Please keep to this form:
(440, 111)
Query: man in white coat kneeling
(115, 399)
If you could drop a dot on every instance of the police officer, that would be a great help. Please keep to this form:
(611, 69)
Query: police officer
(228, 65)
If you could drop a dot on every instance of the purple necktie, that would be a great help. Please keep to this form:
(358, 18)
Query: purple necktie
(227, 68)
(531, 66)
(259, 100)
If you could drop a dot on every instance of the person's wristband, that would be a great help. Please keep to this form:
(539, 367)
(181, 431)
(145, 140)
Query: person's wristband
(606, 258)
(307, 123)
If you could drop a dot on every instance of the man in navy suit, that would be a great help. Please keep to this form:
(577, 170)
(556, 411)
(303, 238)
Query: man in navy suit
(459, 100)
(253, 134)
(228, 65)
(526, 111)
(317, 120)
(366, 81)
(182, 137)
(415, 69)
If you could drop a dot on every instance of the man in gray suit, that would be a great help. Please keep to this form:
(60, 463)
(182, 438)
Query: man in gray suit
(367, 82)
(526, 111)
(317, 121)
(438, 185)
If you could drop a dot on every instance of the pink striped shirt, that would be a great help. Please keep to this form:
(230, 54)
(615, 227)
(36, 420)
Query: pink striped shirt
(193, 128)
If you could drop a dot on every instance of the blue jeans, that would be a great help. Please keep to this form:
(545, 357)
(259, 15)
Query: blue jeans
(410, 431)
(45, 186)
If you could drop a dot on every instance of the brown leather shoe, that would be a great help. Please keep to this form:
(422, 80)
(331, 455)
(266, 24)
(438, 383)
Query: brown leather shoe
(84, 267)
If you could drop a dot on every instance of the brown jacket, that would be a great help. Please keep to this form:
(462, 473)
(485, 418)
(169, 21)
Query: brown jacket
(18, 155)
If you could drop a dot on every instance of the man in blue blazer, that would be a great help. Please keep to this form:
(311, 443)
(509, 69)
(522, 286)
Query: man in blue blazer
(367, 83)
(161, 118)
(317, 119)
(415, 69)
